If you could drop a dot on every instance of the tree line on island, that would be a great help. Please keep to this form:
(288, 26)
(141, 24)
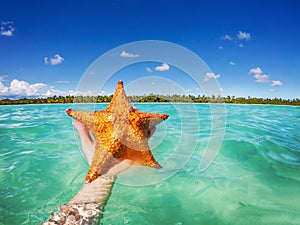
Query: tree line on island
(152, 98)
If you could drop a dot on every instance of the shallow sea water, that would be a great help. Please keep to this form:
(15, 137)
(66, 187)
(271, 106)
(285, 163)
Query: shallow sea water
(255, 178)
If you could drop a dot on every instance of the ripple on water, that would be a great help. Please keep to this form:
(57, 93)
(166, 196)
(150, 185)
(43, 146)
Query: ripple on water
(253, 180)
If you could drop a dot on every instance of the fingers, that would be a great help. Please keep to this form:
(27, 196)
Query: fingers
(82, 130)
(152, 131)
(88, 144)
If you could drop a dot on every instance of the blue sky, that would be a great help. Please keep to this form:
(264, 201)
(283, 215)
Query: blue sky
(251, 47)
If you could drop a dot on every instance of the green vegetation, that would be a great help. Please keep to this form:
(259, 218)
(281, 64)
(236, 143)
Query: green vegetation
(152, 98)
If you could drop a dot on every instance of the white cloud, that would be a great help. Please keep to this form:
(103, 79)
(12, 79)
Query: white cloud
(209, 76)
(220, 47)
(2, 78)
(20, 88)
(227, 37)
(163, 67)
(6, 33)
(256, 70)
(232, 63)
(259, 76)
(3, 89)
(125, 54)
(7, 28)
(149, 70)
(243, 36)
(276, 83)
(55, 60)
(62, 81)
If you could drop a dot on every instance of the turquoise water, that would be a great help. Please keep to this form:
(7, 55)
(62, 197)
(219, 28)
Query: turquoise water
(255, 178)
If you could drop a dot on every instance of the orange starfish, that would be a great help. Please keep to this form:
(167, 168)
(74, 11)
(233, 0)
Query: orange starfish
(120, 131)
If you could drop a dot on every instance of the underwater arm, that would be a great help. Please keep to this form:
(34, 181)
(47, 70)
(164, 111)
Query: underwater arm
(87, 205)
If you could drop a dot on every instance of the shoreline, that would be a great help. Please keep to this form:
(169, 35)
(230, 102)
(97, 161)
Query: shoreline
(154, 99)
(154, 103)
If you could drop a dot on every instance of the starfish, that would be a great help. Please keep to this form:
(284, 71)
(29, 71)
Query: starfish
(120, 132)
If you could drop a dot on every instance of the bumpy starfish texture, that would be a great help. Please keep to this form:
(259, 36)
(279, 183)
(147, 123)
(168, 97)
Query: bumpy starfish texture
(120, 131)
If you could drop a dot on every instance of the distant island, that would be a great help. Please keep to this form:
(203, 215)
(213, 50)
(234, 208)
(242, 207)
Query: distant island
(152, 98)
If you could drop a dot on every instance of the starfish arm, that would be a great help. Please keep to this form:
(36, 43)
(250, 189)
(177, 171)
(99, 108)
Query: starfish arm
(142, 157)
(102, 157)
(155, 118)
(85, 117)
(145, 121)
(92, 120)
(119, 102)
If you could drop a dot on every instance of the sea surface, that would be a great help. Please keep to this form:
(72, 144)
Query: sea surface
(222, 164)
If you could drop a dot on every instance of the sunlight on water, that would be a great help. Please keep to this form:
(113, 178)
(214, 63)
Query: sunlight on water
(254, 179)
